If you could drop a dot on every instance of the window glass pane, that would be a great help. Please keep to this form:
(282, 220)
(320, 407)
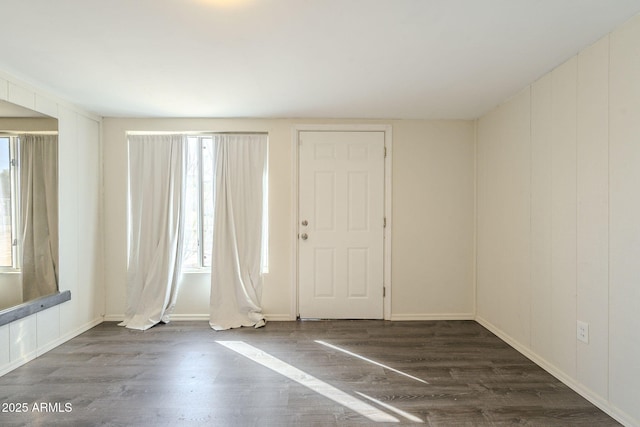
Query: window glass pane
(191, 252)
(6, 238)
(208, 189)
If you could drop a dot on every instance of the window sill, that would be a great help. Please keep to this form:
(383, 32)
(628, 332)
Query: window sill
(194, 270)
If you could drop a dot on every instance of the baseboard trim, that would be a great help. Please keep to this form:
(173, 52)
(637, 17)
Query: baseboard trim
(201, 317)
(189, 317)
(66, 337)
(84, 328)
(279, 318)
(173, 318)
(205, 317)
(583, 391)
(49, 346)
(17, 363)
(439, 316)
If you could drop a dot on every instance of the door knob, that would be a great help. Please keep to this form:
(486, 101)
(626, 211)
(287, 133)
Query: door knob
(305, 222)
(304, 236)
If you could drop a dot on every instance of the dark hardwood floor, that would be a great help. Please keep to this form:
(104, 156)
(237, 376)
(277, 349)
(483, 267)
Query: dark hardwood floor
(440, 373)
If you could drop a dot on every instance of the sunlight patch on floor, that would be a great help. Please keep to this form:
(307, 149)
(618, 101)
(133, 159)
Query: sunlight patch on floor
(309, 381)
(335, 347)
(400, 412)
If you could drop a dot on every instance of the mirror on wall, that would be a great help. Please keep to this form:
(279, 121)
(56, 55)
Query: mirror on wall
(29, 262)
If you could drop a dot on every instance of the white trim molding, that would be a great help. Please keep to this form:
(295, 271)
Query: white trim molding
(436, 316)
(200, 317)
(48, 347)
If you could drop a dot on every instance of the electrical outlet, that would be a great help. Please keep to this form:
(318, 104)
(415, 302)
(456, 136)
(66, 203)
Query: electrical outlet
(583, 332)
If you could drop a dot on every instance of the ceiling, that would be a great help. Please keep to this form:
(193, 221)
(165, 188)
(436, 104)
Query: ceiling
(405, 59)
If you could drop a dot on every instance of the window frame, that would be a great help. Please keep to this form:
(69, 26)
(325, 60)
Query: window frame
(14, 177)
(201, 267)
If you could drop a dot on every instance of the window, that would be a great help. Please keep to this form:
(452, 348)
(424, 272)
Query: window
(8, 202)
(199, 200)
(198, 226)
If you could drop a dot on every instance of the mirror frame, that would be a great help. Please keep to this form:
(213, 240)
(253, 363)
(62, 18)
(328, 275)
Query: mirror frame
(28, 308)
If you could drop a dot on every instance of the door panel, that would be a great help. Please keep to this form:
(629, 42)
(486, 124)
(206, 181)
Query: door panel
(341, 201)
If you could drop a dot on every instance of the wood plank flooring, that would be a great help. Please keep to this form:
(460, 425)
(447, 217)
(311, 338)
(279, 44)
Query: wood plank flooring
(178, 374)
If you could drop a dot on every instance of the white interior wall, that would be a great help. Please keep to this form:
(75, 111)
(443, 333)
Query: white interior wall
(503, 217)
(432, 244)
(592, 224)
(433, 220)
(80, 231)
(624, 223)
(558, 230)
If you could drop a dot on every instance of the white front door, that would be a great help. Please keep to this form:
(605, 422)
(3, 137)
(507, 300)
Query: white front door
(341, 225)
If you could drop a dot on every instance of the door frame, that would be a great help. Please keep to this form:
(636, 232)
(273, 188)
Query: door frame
(295, 172)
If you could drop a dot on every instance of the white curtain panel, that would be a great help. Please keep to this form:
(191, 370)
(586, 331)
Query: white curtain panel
(39, 214)
(156, 216)
(236, 281)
